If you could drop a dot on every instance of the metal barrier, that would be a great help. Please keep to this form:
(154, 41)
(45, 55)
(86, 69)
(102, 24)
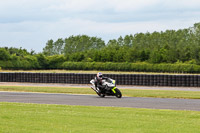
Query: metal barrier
(121, 79)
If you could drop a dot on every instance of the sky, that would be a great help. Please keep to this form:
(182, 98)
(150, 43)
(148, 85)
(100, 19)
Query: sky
(31, 23)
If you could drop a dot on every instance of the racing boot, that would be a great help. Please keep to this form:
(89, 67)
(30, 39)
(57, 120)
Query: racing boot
(98, 89)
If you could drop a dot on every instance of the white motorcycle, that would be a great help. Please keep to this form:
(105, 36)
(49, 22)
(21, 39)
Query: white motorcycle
(110, 88)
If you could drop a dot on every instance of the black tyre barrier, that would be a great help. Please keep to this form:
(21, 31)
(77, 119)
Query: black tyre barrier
(121, 79)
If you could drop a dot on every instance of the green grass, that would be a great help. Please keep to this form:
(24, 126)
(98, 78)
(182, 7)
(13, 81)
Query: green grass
(162, 93)
(41, 118)
(67, 90)
(125, 92)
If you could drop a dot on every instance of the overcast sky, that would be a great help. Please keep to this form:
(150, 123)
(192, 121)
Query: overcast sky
(31, 23)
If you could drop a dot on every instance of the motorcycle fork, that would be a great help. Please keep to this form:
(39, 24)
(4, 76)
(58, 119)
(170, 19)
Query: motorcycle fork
(113, 90)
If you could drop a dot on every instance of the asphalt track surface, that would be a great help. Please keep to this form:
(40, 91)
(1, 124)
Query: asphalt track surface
(94, 100)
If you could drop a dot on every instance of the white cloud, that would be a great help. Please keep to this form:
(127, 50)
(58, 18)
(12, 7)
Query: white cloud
(30, 23)
(32, 35)
(76, 5)
(181, 4)
(100, 5)
(131, 5)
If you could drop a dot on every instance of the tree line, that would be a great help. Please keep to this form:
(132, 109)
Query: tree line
(166, 47)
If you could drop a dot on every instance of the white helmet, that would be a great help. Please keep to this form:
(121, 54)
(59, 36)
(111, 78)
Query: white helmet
(99, 75)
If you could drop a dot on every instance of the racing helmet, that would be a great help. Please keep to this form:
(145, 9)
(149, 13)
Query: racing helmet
(99, 75)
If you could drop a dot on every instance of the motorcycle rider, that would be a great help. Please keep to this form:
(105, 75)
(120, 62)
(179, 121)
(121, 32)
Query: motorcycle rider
(98, 81)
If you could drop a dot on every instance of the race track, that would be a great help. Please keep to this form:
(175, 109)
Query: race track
(94, 100)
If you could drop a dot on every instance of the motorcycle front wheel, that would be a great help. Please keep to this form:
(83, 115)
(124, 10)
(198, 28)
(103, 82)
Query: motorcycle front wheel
(118, 93)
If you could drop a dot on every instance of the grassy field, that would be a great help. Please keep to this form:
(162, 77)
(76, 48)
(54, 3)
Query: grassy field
(41, 118)
(125, 92)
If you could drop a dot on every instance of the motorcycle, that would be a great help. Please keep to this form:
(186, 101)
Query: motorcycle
(110, 88)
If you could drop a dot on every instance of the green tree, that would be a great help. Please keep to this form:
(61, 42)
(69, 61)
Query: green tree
(128, 40)
(58, 47)
(48, 50)
(42, 60)
(55, 61)
(82, 43)
(18, 51)
(4, 55)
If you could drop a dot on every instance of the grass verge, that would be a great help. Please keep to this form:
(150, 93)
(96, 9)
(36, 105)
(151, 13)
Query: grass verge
(32, 118)
(125, 92)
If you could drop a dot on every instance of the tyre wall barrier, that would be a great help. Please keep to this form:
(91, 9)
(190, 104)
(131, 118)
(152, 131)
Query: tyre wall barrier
(121, 79)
